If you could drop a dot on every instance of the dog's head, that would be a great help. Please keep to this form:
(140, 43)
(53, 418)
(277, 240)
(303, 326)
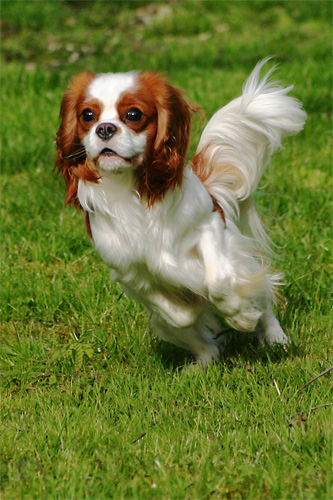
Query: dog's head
(116, 121)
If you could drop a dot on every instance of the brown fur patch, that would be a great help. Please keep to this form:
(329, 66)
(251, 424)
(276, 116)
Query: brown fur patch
(168, 136)
(71, 159)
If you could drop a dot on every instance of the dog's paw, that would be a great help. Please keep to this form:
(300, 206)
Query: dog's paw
(272, 333)
(207, 354)
(241, 314)
(245, 320)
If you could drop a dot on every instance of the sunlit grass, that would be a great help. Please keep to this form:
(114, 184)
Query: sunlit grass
(93, 406)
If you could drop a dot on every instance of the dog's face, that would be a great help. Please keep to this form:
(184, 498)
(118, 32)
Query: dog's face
(117, 121)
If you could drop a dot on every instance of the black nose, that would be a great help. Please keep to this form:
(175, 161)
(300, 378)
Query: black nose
(105, 131)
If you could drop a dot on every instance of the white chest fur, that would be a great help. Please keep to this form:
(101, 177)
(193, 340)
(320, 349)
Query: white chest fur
(161, 241)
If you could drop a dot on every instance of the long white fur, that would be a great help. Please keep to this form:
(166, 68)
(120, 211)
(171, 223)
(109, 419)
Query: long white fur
(178, 257)
(239, 141)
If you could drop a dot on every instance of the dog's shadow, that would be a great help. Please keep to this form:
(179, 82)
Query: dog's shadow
(240, 348)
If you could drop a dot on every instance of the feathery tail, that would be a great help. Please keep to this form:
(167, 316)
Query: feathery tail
(238, 142)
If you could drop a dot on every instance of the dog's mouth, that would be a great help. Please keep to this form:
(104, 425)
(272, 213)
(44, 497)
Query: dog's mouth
(109, 159)
(111, 153)
(108, 152)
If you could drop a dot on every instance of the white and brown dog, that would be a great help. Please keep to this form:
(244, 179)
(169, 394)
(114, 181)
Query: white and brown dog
(182, 237)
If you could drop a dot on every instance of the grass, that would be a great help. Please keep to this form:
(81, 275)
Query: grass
(93, 406)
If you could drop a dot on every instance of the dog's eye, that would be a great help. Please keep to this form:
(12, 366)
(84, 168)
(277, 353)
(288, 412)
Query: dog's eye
(87, 115)
(133, 115)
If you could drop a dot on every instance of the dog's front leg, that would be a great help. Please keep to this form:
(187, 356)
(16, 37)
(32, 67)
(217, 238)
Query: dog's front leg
(233, 278)
(220, 274)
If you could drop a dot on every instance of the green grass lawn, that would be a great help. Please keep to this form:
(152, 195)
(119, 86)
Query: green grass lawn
(92, 405)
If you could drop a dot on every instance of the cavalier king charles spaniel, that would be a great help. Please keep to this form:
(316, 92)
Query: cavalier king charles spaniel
(182, 237)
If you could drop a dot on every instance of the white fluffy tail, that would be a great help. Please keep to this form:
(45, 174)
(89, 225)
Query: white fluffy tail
(238, 142)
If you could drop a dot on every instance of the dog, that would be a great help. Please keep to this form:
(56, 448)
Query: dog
(182, 237)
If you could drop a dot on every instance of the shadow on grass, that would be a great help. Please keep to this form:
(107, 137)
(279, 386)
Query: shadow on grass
(240, 348)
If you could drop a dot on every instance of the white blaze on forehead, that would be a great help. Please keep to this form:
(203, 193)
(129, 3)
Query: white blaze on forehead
(108, 87)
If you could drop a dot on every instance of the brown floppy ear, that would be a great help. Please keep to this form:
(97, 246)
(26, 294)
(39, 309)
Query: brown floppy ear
(166, 153)
(71, 159)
